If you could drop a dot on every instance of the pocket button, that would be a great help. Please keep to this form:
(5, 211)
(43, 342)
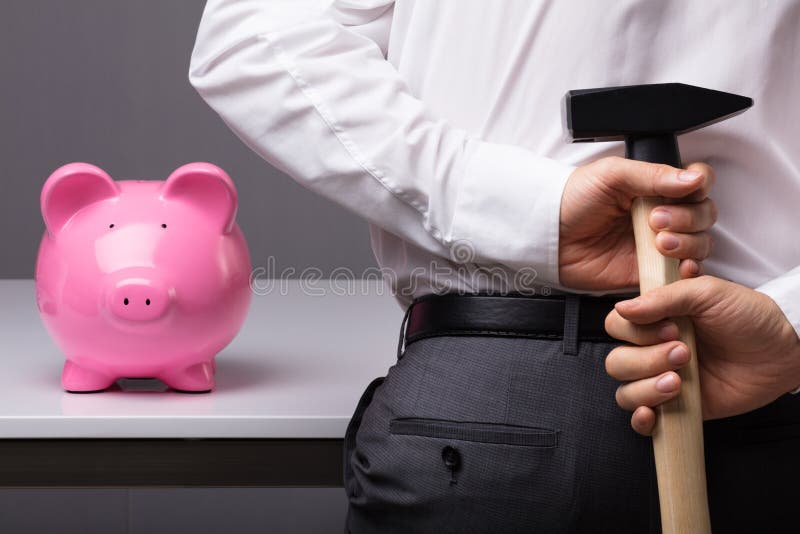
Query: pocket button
(451, 457)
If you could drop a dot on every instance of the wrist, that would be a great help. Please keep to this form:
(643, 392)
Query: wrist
(795, 357)
(788, 348)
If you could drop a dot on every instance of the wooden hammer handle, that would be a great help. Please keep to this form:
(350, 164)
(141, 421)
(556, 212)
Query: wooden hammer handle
(678, 434)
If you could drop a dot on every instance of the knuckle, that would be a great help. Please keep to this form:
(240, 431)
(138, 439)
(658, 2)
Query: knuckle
(699, 246)
(608, 164)
(610, 170)
(635, 424)
(621, 364)
(713, 211)
(651, 365)
(639, 424)
(690, 217)
(662, 169)
(611, 363)
(704, 281)
(611, 322)
(700, 243)
(620, 396)
(712, 175)
(706, 169)
(705, 285)
(660, 173)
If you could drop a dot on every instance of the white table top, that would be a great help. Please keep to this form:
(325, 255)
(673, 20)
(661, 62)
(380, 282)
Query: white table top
(296, 370)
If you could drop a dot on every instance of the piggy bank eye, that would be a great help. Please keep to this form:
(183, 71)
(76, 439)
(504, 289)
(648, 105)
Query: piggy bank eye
(111, 225)
(163, 225)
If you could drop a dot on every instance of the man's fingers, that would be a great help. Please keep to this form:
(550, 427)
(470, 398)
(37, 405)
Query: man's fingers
(707, 185)
(651, 334)
(634, 363)
(649, 391)
(685, 218)
(643, 179)
(643, 420)
(690, 268)
(682, 246)
(681, 229)
(684, 297)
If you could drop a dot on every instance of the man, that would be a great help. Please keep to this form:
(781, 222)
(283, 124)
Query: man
(438, 122)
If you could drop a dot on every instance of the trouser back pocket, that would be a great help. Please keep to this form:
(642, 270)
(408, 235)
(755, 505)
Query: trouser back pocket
(350, 434)
(474, 431)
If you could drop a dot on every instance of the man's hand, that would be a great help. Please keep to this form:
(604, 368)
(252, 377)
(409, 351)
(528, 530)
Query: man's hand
(596, 246)
(749, 354)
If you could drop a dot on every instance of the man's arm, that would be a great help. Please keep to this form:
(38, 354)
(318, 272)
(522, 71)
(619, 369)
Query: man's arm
(311, 92)
(318, 100)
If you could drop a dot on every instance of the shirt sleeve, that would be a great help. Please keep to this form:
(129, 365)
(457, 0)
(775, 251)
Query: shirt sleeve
(309, 89)
(785, 291)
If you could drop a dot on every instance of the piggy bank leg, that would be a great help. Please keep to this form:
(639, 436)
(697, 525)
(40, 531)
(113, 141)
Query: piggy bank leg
(196, 378)
(79, 379)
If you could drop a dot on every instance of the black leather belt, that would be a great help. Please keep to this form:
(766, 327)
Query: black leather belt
(508, 315)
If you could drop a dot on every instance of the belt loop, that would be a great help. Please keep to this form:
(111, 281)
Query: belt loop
(401, 341)
(571, 318)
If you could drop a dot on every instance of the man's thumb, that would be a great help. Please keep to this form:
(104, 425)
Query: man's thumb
(684, 297)
(643, 179)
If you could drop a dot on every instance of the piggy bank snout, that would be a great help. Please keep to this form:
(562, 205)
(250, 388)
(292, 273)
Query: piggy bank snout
(139, 299)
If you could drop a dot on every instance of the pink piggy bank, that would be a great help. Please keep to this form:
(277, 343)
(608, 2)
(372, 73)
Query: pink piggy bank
(141, 278)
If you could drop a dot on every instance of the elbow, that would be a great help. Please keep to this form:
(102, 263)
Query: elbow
(195, 76)
(204, 57)
(192, 76)
(205, 42)
(215, 65)
(202, 74)
(230, 29)
(197, 61)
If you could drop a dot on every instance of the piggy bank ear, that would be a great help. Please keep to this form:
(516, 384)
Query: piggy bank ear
(208, 188)
(71, 188)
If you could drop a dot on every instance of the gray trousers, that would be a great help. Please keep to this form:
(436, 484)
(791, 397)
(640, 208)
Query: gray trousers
(471, 434)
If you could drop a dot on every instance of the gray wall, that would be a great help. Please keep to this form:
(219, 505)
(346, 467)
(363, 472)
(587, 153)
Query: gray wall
(105, 81)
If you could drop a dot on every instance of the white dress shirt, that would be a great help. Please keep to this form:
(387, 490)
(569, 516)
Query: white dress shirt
(439, 121)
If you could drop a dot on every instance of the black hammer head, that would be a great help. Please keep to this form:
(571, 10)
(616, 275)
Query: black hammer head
(615, 113)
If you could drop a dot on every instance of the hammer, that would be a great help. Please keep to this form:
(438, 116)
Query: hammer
(649, 118)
